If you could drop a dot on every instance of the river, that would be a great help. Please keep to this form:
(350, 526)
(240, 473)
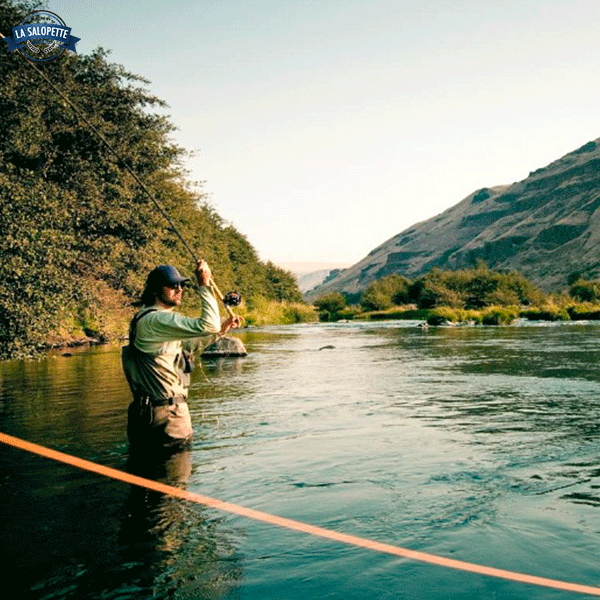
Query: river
(480, 444)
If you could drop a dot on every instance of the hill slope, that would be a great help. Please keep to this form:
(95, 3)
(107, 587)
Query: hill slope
(546, 226)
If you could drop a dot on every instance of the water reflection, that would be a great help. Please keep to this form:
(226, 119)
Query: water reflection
(76, 401)
(172, 544)
(66, 533)
(479, 443)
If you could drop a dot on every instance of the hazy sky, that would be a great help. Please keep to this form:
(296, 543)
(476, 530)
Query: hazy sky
(323, 128)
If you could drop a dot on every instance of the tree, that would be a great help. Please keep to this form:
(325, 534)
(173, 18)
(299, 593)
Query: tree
(281, 285)
(585, 291)
(385, 292)
(77, 234)
(473, 288)
(331, 303)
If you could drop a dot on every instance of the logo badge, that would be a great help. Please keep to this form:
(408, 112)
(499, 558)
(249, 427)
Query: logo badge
(41, 36)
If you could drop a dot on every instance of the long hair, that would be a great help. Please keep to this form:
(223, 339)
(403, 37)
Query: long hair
(148, 298)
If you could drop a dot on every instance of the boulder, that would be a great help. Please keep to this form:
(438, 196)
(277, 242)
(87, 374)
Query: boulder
(225, 346)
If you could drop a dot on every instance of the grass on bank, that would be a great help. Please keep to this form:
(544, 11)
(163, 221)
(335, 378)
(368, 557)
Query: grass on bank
(491, 315)
(260, 311)
(84, 328)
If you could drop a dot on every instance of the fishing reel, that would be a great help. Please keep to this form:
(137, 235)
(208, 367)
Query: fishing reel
(232, 299)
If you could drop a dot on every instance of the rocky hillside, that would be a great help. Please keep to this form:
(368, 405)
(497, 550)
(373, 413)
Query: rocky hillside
(308, 281)
(546, 226)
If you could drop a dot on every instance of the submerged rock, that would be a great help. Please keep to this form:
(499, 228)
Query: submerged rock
(225, 346)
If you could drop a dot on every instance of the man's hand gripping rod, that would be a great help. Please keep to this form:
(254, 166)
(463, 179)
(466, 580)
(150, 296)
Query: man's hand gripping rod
(230, 299)
(204, 275)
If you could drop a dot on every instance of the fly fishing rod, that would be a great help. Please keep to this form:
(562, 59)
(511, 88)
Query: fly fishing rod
(231, 298)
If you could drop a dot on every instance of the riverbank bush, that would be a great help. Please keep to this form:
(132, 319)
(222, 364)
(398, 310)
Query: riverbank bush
(491, 315)
(348, 313)
(546, 313)
(296, 312)
(466, 289)
(385, 293)
(499, 315)
(407, 314)
(447, 296)
(585, 291)
(473, 288)
(586, 311)
(479, 295)
(331, 303)
(333, 307)
(448, 314)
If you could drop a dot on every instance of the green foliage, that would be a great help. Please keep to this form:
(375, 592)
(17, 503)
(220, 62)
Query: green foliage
(444, 314)
(281, 285)
(428, 292)
(447, 314)
(499, 315)
(330, 305)
(546, 313)
(491, 315)
(475, 288)
(585, 291)
(386, 292)
(584, 312)
(348, 313)
(77, 234)
(481, 296)
(296, 312)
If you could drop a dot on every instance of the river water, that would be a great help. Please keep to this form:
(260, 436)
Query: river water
(475, 443)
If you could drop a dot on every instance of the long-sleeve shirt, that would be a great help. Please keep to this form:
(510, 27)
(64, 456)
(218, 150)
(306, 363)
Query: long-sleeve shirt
(164, 326)
(156, 367)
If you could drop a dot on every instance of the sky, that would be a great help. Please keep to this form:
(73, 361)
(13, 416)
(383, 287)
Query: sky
(322, 128)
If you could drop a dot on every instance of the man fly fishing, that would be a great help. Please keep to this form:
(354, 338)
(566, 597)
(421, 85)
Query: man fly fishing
(159, 357)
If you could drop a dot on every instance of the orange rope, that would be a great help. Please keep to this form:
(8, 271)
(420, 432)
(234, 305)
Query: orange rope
(294, 525)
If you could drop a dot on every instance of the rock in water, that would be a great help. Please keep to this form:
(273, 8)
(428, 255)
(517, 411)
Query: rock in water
(225, 346)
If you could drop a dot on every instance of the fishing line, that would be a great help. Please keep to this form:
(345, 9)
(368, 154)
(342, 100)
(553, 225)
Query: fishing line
(228, 300)
(295, 525)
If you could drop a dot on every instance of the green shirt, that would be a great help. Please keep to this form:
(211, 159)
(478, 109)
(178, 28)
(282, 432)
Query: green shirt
(157, 370)
(162, 327)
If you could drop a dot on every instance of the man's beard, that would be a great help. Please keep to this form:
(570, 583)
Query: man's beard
(168, 301)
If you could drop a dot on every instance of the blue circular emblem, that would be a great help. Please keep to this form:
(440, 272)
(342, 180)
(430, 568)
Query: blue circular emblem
(42, 36)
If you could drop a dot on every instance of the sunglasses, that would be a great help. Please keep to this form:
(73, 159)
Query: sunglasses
(176, 286)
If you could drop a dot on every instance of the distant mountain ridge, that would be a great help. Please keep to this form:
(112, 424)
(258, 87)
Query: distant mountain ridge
(312, 274)
(308, 281)
(546, 226)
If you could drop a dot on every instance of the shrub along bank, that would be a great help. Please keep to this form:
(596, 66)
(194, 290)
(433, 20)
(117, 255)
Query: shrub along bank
(478, 296)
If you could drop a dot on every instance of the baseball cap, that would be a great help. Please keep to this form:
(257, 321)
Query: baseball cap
(165, 275)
